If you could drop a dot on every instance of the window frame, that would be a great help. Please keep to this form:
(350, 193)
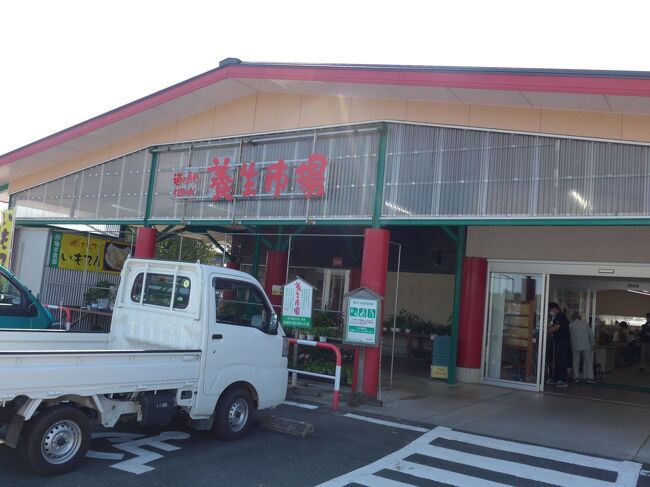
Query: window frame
(264, 303)
(175, 281)
(22, 310)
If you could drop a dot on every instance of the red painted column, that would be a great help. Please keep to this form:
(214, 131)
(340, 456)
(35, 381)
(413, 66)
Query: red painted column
(231, 264)
(472, 311)
(145, 243)
(374, 267)
(276, 273)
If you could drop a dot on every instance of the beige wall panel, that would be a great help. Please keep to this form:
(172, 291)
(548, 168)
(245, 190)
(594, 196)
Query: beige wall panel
(621, 302)
(324, 110)
(586, 124)
(365, 109)
(275, 111)
(67, 167)
(636, 127)
(198, 126)
(126, 146)
(235, 117)
(442, 113)
(507, 118)
(166, 133)
(581, 244)
(430, 296)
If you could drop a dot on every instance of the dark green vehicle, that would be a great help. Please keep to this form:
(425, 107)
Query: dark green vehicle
(19, 308)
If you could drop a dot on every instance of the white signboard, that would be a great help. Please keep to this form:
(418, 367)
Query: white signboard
(361, 321)
(297, 304)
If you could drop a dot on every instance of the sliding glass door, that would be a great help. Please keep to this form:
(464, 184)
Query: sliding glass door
(513, 351)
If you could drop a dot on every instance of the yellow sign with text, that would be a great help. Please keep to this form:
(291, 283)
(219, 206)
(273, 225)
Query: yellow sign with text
(78, 252)
(6, 236)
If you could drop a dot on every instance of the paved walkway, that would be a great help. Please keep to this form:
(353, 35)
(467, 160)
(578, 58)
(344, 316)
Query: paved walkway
(597, 426)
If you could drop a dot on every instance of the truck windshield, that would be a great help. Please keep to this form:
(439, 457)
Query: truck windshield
(158, 290)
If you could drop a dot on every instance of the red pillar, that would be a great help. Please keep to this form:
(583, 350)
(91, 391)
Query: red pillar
(276, 274)
(472, 311)
(231, 264)
(145, 242)
(373, 276)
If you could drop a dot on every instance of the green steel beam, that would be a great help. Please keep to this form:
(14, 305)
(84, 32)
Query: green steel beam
(453, 346)
(267, 243)
(151, 187)
(26, 222)
(278, 240)
(256, 257)
(577, 222)
(219, 246)
(452, 235)
(379, 178)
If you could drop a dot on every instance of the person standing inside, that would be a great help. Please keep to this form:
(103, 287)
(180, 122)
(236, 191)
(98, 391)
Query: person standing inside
(561, 334)
(582, 343)
(645, 341)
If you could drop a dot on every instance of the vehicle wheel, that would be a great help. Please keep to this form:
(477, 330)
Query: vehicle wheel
(233, 414)
(55, 441)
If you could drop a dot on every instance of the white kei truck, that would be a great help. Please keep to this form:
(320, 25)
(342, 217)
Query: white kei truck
(187, 339)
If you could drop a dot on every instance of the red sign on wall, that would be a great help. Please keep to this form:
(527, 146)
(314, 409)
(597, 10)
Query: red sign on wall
(309, 179)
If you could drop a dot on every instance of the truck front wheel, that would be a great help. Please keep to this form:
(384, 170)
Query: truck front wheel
(233, 414)
(55, 441)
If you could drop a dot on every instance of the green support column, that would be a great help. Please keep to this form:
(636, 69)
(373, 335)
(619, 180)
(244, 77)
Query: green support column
(150, 190)
(256, 257)
(379, 179)
(453, 352)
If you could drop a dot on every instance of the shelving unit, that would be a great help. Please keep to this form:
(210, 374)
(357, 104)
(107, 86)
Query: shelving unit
(518, 340)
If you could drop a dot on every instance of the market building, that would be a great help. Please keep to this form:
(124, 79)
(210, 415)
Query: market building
(468, 196)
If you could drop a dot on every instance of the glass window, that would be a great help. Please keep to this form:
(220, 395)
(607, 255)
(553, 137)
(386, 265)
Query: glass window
(513, 329)
(11, 298)
(239, 303)
(158, 290)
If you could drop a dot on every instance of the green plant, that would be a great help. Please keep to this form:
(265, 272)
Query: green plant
(99, 291)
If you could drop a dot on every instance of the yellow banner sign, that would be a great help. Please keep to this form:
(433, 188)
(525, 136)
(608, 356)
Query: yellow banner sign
(84, 253)
(77, 252)
(6, 236)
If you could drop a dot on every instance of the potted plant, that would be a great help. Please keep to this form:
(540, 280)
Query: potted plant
(310, 334)
(101, 290)
(322, 333)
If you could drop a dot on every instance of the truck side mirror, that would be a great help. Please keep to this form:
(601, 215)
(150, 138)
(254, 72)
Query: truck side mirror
(273, 324)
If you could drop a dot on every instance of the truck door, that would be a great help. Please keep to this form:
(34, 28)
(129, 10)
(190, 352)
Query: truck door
(241, 346)
(17, 308)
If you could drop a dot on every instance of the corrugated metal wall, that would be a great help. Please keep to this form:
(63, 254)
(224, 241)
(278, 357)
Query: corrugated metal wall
(113, 190)
(349, 178)
(441, 172)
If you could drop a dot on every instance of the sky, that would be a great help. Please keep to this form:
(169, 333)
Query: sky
(66, 61)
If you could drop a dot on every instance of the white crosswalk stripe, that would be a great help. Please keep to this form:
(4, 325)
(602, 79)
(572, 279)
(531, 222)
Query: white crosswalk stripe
(445, 457)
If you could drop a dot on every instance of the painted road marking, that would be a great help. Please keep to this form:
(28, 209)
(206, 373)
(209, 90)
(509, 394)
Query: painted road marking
(387, 423)
(454, 458)
(300, 405)
(132, 443)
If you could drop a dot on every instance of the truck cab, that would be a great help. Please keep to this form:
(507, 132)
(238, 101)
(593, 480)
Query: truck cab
(19, 308)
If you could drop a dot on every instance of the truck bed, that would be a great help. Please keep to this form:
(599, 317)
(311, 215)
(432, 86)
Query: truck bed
(43, 374)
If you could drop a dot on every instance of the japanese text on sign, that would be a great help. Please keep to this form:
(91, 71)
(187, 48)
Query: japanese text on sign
(361, 320)
(79, 252)
(297, 304)
(255, 179)
(6, 236)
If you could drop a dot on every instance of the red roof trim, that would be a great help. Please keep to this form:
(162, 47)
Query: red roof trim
(407, 77)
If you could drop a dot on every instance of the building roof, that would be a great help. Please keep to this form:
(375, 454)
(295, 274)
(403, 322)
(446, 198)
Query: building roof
(605, 91)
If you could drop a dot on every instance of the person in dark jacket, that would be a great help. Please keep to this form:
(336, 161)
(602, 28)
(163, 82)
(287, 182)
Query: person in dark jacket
(561, 334)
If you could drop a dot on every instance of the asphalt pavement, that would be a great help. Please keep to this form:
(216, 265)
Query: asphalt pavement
(347, 449)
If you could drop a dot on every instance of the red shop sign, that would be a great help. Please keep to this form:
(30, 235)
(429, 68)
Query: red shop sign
(309, 177)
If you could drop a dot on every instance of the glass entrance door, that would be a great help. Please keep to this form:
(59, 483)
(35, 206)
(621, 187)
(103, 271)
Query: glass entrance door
(513, 340)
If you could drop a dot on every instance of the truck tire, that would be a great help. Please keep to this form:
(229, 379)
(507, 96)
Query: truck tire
(55, 441)
(233, 414)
